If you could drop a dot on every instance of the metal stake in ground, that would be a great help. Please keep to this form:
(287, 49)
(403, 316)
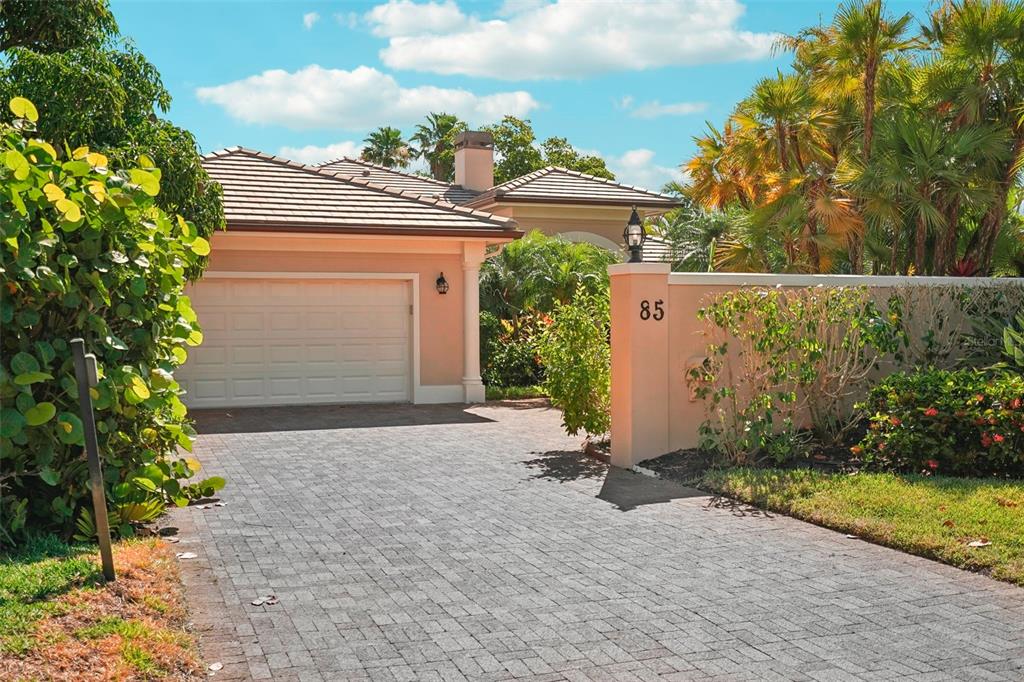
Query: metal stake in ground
(85, 373)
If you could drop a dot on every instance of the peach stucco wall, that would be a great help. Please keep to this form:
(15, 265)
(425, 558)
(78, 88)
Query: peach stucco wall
(653, 410)
(605, 222)
(440, 318)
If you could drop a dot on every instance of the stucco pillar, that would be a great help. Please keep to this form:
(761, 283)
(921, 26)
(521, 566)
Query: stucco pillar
(640, 374)
(472, 257)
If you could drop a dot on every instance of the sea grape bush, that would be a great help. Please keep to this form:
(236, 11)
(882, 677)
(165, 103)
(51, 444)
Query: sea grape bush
(963, 422)
(86, 252)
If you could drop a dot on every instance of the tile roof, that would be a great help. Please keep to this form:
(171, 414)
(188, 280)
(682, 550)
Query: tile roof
(658, 250)
(389, 177)
(264, 192)
(562, 186)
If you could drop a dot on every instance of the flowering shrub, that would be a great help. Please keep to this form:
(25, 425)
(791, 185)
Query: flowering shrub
(786, 366)
(964, 423)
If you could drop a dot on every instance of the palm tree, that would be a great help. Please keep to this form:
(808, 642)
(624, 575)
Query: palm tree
(919, 168)
(385, 146)
(853, 52)
(979, 73)
(436, 143)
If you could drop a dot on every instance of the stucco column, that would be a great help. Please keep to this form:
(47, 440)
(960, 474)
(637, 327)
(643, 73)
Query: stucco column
(472, 257)
(640, 368)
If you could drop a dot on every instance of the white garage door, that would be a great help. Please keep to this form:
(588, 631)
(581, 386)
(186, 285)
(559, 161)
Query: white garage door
(299, 341)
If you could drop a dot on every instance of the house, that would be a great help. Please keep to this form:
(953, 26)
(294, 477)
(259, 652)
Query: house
(352, 283)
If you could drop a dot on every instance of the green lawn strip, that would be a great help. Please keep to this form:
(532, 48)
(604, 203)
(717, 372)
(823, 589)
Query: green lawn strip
(44, 568)
(931, 516)
(515, 392)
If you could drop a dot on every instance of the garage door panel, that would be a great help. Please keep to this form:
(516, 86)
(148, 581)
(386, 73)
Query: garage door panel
(298, 341)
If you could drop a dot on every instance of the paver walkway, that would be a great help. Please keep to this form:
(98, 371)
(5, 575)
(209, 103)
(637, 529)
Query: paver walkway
(436, 543)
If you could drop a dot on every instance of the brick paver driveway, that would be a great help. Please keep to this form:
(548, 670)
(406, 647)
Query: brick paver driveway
(419, 543)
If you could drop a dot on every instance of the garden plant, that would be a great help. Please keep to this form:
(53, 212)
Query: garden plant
(87, 252)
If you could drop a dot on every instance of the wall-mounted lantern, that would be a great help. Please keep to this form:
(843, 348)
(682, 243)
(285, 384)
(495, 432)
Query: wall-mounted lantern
(634, 236)
(442, 285)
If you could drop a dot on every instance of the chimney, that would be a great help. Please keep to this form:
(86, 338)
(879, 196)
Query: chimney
(474, 160)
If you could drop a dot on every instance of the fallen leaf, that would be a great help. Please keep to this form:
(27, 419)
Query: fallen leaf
(852, 537)
(172, 539)
(216, 666)
(983, 542)
(186, 555)
(942, 507)
(948, 523)
(1003, 502)
(269, 600)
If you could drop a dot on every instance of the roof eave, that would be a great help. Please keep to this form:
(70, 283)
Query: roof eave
(386, 230)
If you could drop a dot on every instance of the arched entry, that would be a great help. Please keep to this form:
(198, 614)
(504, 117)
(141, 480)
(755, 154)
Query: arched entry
(591, 238)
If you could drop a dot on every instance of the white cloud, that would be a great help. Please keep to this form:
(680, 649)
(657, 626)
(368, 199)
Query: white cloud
(312, 154)
(315, 97)
(656, 109)
(347, 19)
(637, 167)
(310, 18)
(565, 38)
(407, 18)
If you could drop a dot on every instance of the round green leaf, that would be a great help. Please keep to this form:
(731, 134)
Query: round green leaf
(23, 108)
(11, 422)
(70, 429)
(145, 484)
(146, 181)
(139, 388)
(24, 362)
(50, 476)
(200, 246)
(14, 160)
(40, 413)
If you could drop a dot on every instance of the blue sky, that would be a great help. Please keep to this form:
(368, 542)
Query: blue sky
(631, 81)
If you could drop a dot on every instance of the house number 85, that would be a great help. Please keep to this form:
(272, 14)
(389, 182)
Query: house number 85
(645, 310)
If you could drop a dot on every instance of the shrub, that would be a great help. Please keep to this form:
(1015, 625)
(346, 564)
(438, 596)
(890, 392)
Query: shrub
(86, 252)
(962, 422)
(576, 355)
(786, 365)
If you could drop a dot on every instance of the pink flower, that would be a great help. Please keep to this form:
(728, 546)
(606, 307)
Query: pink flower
(986, 440)
(931, 412)
(933, 464)
(999, 438)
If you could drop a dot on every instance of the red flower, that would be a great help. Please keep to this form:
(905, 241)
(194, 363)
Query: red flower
(978, 398)
(856, 449)
(1015, 404)
(999, 438)
(931, 412)
(933, 464)
(986, 440)
(895, 421)
(881, 447)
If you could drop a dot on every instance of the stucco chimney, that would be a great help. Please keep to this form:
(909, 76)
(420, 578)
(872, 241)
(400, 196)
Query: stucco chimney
(474, 160)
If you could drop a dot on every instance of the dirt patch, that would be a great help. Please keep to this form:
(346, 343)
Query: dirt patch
(130, 629)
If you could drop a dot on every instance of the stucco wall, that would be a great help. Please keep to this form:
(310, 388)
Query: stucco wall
(441, 317)
(605, 222)
(653, 408)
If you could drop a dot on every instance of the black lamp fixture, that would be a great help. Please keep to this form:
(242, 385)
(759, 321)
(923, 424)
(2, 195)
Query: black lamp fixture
(442, 285)
(635, 235)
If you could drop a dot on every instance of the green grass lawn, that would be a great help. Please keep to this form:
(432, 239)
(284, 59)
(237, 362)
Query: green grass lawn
(931, 516)
(57, 614)
(515, 392)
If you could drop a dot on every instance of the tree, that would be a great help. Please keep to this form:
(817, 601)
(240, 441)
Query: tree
(436, 144)
(385, 147)
(87, 252)
(94, 89)
(519, 154)
(979, 74)
(558, 152)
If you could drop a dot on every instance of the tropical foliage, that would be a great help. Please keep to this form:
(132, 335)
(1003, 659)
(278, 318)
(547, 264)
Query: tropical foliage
(87, 252)
(884, 149)
(520, 289)
(385, 147)
(435, 140)
(93, 88)
(576, 356)
(518, 152)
